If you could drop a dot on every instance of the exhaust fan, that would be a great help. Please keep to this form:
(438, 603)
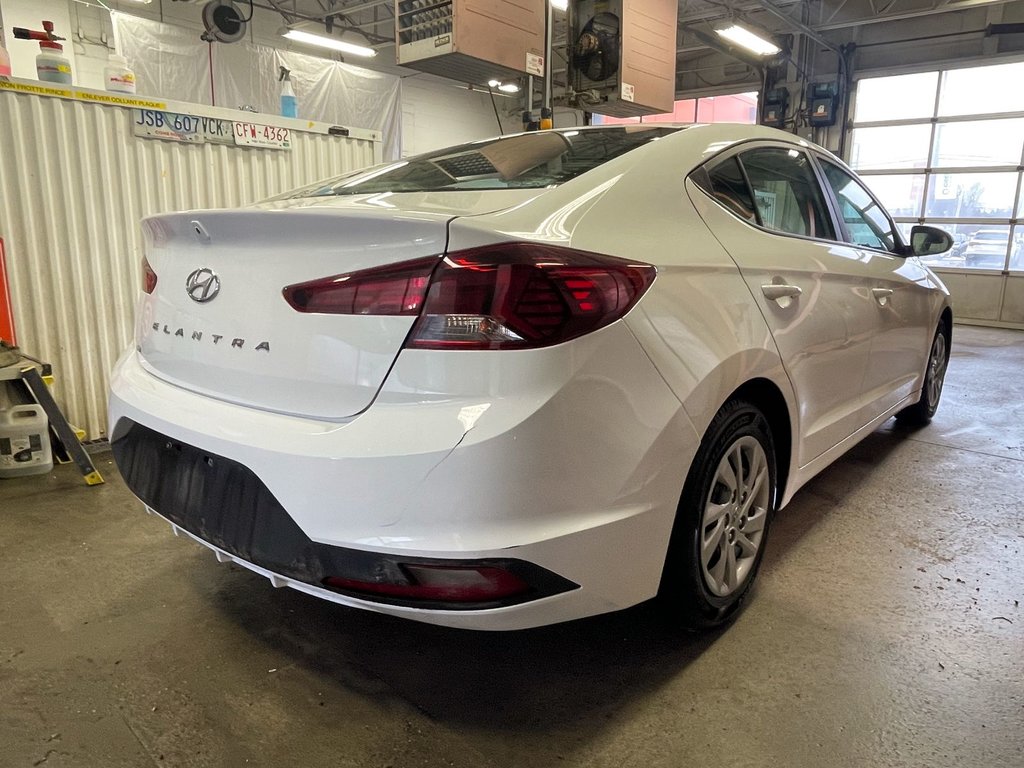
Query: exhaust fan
(596, 52)
(223, 22)
(622, 56)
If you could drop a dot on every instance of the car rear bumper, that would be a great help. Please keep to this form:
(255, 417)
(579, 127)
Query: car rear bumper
(574, 482)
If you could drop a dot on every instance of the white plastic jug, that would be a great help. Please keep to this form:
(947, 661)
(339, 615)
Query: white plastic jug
(24, 442)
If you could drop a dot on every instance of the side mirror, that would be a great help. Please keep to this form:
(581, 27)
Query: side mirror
(929, 241)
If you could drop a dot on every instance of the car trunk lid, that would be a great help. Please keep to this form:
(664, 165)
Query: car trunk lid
(236, 338)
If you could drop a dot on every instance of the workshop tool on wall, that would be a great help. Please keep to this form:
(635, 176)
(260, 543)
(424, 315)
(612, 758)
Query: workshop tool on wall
(52, 65)
(46, 34)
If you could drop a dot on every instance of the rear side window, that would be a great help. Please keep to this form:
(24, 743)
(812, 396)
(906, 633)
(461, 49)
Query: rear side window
(786, 192)
(725, 183)
(867, 224)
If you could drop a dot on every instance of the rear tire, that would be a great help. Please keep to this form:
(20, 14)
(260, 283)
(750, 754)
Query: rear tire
(723, 518)
(921, 412)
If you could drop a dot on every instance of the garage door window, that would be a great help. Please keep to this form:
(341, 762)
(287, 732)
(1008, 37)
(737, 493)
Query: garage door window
(733, 108)
(947, 149)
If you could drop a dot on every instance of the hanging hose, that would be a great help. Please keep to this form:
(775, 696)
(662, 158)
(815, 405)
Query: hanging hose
(496, 115)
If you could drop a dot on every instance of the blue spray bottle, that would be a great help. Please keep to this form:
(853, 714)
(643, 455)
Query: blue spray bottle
(289, 106)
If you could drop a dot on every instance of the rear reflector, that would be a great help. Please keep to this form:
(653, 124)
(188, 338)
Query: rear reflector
(148, 276)
(395, 289)
(525, 295)
(441, 583)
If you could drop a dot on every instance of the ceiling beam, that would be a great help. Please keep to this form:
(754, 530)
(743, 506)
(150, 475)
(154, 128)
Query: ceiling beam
(349, 9)
(776, 11)
(941, 6)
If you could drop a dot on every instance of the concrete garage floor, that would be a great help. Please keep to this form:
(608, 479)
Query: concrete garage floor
(885, 631)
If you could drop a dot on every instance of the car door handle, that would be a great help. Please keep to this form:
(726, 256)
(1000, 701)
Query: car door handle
(881, 295)
(776, 292)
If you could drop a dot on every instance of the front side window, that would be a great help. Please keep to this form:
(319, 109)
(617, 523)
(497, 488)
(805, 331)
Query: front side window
(867, 224)
(786, 192)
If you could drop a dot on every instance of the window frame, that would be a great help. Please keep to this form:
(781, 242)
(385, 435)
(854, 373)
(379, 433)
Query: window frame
(832, 208)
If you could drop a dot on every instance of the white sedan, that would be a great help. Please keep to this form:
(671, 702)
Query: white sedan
(528, 379)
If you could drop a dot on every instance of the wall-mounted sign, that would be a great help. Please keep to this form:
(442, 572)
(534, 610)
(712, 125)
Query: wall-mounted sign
(195, 129)
(153, 124)
(534, 64)
(191, 129)
(255, 135)
(68, 93)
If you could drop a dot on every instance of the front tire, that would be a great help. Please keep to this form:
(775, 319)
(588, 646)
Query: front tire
(722, 522)
(921, 412)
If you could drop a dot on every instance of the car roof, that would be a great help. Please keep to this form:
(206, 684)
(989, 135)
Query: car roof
(695, 143)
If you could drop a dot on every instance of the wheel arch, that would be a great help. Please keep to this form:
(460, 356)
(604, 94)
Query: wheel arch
(682, 584)
(946, 318)
(769, 399)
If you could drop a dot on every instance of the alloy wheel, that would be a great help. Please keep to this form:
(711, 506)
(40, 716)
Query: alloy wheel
(734, 518)
(937, 368)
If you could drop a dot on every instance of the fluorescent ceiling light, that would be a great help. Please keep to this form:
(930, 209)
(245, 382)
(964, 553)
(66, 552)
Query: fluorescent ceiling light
(329, 42)
(560, 5)
(508, 88)
(493, 83)
(747, 39)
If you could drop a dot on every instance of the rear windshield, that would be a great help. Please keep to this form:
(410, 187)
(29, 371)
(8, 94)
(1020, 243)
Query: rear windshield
(524, 161)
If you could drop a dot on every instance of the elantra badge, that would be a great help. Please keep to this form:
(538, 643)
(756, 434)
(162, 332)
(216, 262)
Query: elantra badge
(203, 285)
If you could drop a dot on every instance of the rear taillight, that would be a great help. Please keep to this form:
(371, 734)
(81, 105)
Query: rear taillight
(395, 289)
(503, 296)
(148, 276)
(440, 583)
(525, 295)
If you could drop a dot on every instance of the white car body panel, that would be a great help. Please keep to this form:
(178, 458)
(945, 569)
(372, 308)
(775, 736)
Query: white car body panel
(571, 457)
(548, 610)
(327, 366)
(823, 335)
(457, 488)
(624, 213)
(443, 204)
(363, 472)
(907, 321)
(330, 366)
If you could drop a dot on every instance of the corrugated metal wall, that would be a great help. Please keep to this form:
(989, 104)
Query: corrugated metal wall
(74, 183)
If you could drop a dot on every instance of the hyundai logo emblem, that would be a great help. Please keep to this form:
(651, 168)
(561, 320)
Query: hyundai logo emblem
(203, 285)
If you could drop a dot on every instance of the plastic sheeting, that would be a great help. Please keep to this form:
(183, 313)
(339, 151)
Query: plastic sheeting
(173, 63)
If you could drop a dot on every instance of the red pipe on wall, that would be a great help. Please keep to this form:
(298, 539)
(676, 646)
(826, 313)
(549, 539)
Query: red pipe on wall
(6, 310)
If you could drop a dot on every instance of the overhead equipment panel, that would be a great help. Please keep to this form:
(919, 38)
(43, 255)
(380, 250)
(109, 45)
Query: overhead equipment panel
(622, 56)
(473, 41)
